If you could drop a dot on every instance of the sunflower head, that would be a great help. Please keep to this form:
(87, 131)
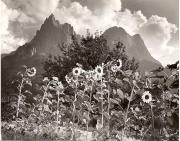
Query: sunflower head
(76, 71)
(55, 78)
(119, 63)
(147, 97)
(60, 86)
(136, 74)
(46, 79)
(99, 70)
(178, 66)
(31, 72)
(114, 68)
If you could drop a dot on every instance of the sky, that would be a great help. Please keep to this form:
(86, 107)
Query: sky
(155, 20)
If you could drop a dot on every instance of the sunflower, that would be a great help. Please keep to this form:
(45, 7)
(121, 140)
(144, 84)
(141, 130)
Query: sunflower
(178, 67)
(119, 63)
(68, 80)
(45, 79)
(137, 109)
(31, 72)
(76, 71)
(60, 86)
(99, 70)
(114, 68)
(55, 78)
(89, 74)
(136, 74)
(147, 97)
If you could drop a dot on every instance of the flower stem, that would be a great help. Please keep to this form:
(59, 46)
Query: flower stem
(102, 117)
(74, 110)
(152, 122)
(19, 96)
(108, 106)
(145, 133)
(44, 96)
(127, 111)
(45, 92)
(87, 127)
(57, 118)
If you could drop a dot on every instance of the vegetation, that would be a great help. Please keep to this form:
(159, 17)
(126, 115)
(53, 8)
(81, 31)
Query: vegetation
(90, 52)
(93, 93)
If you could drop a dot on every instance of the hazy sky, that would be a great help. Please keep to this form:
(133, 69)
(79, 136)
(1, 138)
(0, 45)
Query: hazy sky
(155, 20)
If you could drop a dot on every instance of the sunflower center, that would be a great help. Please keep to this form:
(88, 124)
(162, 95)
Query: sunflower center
(147, 97)
(99, 70)
(76, 71)
(118, 63)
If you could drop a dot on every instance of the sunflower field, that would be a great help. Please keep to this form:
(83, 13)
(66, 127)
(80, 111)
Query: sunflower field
(104, 103)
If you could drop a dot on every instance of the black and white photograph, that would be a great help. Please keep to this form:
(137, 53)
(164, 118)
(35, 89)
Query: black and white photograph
(89, 70)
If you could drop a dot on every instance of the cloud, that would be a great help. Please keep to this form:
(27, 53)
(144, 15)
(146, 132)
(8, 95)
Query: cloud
(8, 41)
(92, 15)
(21, 19)
(156, 33)
(101, 7)
(39, 10)
(131, 22)
(25, 17)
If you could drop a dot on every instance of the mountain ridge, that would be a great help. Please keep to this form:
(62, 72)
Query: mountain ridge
(52, 33)
(135, 46)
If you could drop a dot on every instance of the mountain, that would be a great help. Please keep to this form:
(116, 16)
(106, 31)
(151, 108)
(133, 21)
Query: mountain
(135, 47)
(3, 55)
(51, 34)
(33, 53)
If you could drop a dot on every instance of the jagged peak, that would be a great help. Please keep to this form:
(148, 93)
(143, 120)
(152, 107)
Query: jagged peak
(51, 17)
(51, 20)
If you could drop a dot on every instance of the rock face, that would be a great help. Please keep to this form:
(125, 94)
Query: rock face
(52, 33)
(135, 47)
(33, 53)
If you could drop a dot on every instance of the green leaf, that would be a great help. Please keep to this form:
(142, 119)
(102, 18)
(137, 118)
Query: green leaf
(86, 98)
(106, 115)
(28, 92)
(63, 107)
(48, 101)
(28, 82)
(120, 93)
(86, 116)
(54, 101)
(114, 101)
(118, 81)
(97, 98)
(80, 93)
(67, 98)
(61, 99)
(14, 104)
(46, 108)
(88, 105)
(128, 72)
(77, 104)
(127, 80)
(49, 95)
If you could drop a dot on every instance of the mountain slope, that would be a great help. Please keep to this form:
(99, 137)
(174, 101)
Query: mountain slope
(37, 50)
(135, 47)
(53, 33)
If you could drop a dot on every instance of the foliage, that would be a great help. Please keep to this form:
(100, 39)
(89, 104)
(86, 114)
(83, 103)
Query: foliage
(100, 98)
(89, 52)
